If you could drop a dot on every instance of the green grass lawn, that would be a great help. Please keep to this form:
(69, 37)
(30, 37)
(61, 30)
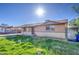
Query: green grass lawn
(28, 45)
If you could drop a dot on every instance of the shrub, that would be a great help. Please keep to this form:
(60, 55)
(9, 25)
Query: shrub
(12, 48)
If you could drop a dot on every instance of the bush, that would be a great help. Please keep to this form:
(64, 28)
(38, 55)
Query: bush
(36, 46)
(12, 48)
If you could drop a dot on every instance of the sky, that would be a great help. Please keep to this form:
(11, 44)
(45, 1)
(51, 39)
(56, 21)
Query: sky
(25, 13)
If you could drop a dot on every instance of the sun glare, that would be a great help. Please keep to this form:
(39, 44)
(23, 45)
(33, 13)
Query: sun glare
(40, 11)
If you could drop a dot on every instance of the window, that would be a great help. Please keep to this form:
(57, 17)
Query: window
(50, 28)
(47, 28)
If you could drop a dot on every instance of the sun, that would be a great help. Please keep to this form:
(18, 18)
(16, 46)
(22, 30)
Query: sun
(40, 11)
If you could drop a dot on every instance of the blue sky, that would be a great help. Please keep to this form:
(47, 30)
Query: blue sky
(18, 14)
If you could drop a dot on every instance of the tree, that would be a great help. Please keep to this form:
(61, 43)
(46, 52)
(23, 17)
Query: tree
(76, 9)
(76, 21)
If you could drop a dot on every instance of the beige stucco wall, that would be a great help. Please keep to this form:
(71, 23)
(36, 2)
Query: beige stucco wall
(51, 34)
(40, 28)
(60, 28)
(28, 29)
(48, 34)
(57, 28)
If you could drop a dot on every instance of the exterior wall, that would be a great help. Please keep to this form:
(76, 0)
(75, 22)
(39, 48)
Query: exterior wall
(58, 32)
(57, 28)
(28, 29)
(17, 30)
(2, 29)
(40, 28)
(60, 28)
(51, 34)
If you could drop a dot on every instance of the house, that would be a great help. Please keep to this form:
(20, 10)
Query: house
(49, 27)
(6, 29)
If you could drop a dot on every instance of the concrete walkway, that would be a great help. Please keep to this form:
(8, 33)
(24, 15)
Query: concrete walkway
(10, 34)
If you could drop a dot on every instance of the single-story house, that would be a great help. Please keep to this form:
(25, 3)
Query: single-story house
(49, 27)
(9, 29)
(5, 29)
